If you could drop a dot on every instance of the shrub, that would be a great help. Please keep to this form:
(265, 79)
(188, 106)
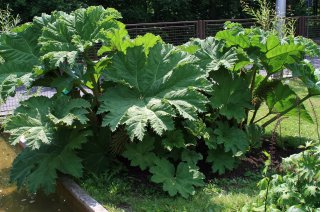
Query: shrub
(297, 188)
(164, 108)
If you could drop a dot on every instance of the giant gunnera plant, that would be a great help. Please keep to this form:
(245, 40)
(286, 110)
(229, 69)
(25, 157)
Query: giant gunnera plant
(140, 101)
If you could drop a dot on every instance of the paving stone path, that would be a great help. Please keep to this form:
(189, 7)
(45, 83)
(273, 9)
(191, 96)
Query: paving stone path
(316, 62)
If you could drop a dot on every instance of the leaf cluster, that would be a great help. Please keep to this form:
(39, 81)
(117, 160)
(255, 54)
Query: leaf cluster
(163, 108)
(297, 188)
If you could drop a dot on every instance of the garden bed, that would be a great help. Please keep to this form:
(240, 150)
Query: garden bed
(130, 190)
(140, 110)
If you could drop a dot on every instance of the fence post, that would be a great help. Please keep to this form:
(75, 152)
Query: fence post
(200, 29)
(298, 26)
(303, 26)
(204, 30)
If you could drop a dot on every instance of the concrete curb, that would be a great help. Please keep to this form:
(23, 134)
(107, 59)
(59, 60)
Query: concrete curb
(77, 197)
(79, 200)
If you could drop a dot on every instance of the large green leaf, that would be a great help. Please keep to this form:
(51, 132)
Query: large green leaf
(282, 55)
(212, 54)
(66, 111)
(30, 122)
(221, 161)
(71, 38)
(265, 49)
(233, 139)
(174, 139)
(19, 52)
(21, 47)
(181, 180)
(306, 72)
(282, 97)
(11, 77)
(140, 154)
(36, 130)
(312, 49)
(118, 39)
(232, 98)
(191, 157)
(36, 118)
(152, 89)
(97, 156)
(234, 37)
(38, 168)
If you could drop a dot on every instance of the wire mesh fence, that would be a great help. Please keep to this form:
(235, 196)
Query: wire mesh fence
(175, 33)
(22, 93)
(213, 26)
(171, 32)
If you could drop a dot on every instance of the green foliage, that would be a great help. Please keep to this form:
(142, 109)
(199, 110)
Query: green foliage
(38, 168)
(254, 133)
(283, 97)
(37, 118)
(31, 124)
(174, 139)
(153, 10)
(139, 10)
(7, 20)
(66, 111)
(233, 139)
(166, 109)
(297, 188)
(141, 154)
(152, 90)
(211, 54)
(191, 157)
(232, 100)
(221, 161)
(19, 52)
(263, 15)
(181, 180)
(264, 50)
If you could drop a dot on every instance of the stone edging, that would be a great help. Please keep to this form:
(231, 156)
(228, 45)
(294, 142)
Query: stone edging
(74, 194)
(77, 197)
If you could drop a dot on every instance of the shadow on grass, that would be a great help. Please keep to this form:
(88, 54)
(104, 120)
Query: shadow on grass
(291, 142)
(123, 192)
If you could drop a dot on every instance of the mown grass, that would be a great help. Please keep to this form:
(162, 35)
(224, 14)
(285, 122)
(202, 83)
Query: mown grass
(125, 193)
(291, 131)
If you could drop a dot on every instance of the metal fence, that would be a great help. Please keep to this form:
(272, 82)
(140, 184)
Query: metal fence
(172, 32)
(211, 27)
(309, 26)
(22, 94)
(175, 33)
(180, 32)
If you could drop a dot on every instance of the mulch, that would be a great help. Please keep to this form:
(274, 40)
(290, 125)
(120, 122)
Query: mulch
(254, 161)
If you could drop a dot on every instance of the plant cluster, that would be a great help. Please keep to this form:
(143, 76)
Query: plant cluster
(7, 20)
(297, 188)
(142, 11)
(164, 109)
(265, 16)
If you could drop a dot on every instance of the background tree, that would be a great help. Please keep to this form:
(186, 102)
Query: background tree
(135, 11)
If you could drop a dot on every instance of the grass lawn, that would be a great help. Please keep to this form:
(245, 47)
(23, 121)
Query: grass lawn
(125, 193)
(288, 130)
